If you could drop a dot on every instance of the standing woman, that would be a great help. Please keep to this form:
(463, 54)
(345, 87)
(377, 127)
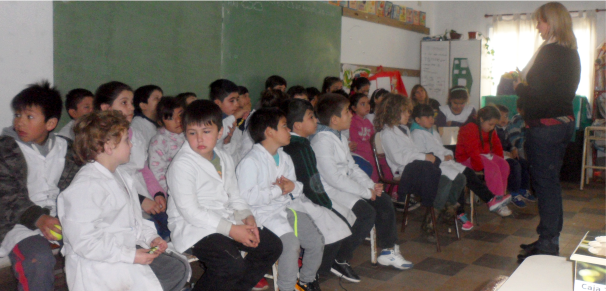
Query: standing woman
(552, 78)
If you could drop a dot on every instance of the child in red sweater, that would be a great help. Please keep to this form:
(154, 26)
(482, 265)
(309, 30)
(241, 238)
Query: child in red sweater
(479, 148)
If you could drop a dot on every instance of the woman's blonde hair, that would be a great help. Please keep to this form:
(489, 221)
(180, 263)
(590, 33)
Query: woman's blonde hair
(95, 129)
(560, 23)
(389, 111)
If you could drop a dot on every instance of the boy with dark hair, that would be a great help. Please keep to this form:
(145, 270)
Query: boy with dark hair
(275, 82)
(267, 180)
(225, 94)
(78, 102)
(297, 92)
(207, 213)
(35, 166)
(303, 123)
(518, 182)
(186, 98)
(347, 185)
(145, 101)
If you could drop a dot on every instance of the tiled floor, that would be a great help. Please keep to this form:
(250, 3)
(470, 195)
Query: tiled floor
(469, 264)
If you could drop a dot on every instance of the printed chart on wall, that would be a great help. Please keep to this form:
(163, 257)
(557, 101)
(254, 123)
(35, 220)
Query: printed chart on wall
(435, 69)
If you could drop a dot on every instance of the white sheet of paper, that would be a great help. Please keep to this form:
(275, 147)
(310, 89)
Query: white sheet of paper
(373, 87)
(462, 82)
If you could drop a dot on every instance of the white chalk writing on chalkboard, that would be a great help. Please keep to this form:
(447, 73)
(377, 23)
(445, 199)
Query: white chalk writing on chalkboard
(301, 6)
(434, 69)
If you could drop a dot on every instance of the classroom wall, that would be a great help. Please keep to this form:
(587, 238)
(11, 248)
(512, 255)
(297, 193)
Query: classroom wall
(367, 43)
(26, 53)
(470, 14)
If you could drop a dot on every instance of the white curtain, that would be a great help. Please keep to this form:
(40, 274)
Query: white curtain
(515, 39)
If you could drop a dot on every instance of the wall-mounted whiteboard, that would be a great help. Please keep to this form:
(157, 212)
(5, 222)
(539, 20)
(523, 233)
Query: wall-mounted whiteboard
(435, 67)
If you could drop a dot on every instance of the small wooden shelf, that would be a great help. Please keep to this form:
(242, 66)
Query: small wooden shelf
(348, 12)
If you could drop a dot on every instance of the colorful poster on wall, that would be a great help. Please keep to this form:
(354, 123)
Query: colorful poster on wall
(353, 5)
(415, 17)
(362, 6)
(396, 12)
(371, 7)
(349, 72)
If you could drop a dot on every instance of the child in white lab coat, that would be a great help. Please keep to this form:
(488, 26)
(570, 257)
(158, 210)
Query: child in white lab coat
(35, 165)
(206, 212)
(267, 181)
(108, 244)
(351, 188)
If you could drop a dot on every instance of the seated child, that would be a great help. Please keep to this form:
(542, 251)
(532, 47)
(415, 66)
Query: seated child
(419, 95)
(518, 181)
(166, 143)
(119, 96)
(479, 148)
(225, 94)
(244, 107)
(360, 132)
(428, 140)
(267, 181)
(332, 84)
(298, 92)
(516, 130)
(206, 212)
(275, 82)
(351, 188)
(107, 243)
(78, 102)
(35, 165)
(312, 95)
(145, 100)
(375, 100)
(186, 98)
(456, 111)
(420, 172)
(360, 85)
(269, 98)
(303, 123)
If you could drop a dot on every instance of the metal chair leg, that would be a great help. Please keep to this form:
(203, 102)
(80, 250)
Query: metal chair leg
(405, 218)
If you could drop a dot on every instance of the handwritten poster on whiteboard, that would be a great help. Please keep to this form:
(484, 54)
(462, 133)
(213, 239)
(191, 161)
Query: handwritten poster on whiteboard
(435, 69)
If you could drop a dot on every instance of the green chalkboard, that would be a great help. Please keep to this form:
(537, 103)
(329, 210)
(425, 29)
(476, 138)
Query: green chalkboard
(184, 46)
(175, 45)
(300, 41)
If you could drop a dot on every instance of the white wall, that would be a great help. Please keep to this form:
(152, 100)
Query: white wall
(26, 50)
(367, 43)
(464, 16)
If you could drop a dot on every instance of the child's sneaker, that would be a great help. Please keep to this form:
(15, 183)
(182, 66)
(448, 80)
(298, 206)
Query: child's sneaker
(517, 200)
(527, 196)
(466, 225)
(504, 211)
(262, 285)
(393, 258)
(496, 202)
(306, 287)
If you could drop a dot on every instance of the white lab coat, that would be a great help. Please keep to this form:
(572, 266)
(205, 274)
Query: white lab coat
(102, 225)
(431, 142)
(257, 173)
(200, 201)
(43, 174)
(68, 130)
(246, 143)
(145, 127)
(138, 160)
(400, 150)
(233, 147)
(344, 182)
(461, 117)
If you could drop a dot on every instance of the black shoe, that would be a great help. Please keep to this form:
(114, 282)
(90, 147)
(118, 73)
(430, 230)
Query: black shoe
(534, 251)
(343, 269)
(529, 246)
